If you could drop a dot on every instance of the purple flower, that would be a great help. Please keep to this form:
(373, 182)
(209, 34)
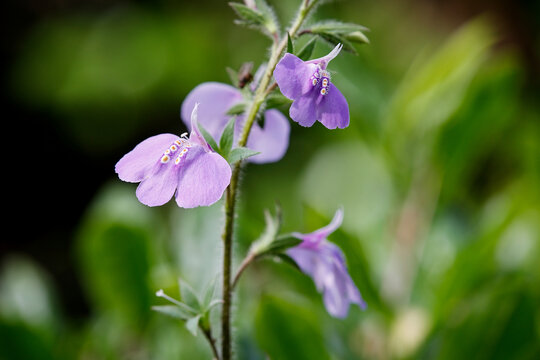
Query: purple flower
(315, 97)
(325, 263)
(165, 164)
(216, 99)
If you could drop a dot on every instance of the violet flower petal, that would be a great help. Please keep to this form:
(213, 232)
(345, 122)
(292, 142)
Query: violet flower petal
(215, 99)
(137, 164)
(203, 178)
(324, 262)
(293, 76)
(158, 188)
(333, 110)
(303, 110)
(272, 141)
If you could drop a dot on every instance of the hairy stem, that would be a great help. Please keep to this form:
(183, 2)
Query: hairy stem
(231, 195)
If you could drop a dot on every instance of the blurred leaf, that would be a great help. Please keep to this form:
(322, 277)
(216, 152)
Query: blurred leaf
(236, 109)
(189, 295)
(433, 89)
(248, 15)
(193, 324)
(301, 337)
(241, 153)
(269, 235)
(173, 311)
(276, 100)
(115, 265)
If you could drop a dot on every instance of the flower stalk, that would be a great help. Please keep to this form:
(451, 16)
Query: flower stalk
(232, 191)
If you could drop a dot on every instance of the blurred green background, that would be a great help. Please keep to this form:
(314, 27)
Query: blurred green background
(438, 173)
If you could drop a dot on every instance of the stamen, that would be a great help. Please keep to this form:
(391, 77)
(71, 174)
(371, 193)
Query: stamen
(184, 135)
(165, 159)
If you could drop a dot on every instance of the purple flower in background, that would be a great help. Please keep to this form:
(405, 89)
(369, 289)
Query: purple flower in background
(216, 99)
(165, 164)
(315, 97)
(325, 263)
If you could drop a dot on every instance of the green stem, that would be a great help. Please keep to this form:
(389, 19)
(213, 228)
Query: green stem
(231, 195)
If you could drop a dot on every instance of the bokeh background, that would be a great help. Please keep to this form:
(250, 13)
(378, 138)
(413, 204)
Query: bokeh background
(438, 174)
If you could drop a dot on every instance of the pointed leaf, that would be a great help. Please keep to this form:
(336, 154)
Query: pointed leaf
(290, 46)
(240, 153)
(209, 139)
(173, 311)
(233, 76)
(236, 109)
(209, 293)
(189, 296)
(282, 257)
(193, 324)
(276, 100)
(307, 50)
(282, 243)
(227, 138)
(248, 15)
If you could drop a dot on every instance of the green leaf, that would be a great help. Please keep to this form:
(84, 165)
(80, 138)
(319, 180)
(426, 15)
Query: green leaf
(290, 46)
(262, 17)
(336, 27)
(233, 76)
(307, 50)
(240, 153)
(193, 324)
(282, 243)
(290, 341)
(282, 257)
(209, 293)
(236, 109)
(334, 39)
(248, 15)
(209, 139)
(227, 138)
(273, 224)
(173, 311)
(189, 296)
(276, 100)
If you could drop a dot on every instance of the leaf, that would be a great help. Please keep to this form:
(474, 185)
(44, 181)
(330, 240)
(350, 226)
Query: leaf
(236, 109)
(276, 100)
(173, 311)
(209, 293)
(240, 153)
(189, 296)
(227, 138)
(262, 17)
(290, 46)
(301, 339)
(334, 39)
(282, 243)
(248, 15)
(233, 76)
(209, 139)
(307, 50)
(271, 230)
(193, 324)
(287, 260)
(336, 27)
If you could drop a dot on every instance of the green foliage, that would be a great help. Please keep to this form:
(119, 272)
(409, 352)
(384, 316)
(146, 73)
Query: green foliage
(301, 338)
